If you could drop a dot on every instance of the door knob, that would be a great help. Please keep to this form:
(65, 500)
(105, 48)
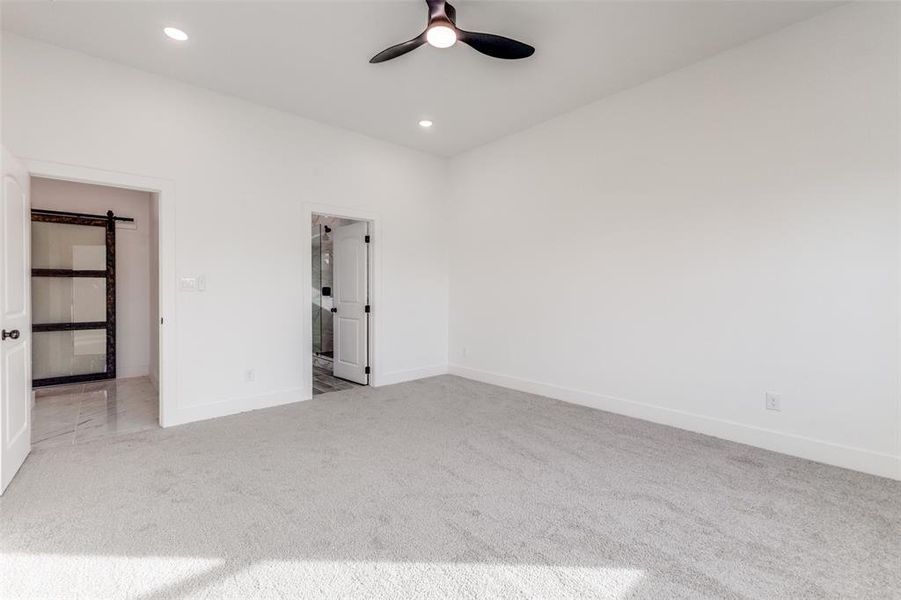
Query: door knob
(14, 334)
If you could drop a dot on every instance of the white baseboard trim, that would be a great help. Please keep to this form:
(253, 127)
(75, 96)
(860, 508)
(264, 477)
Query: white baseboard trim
(858, 459)
(124, 372)
(189, 414)
(393, 377)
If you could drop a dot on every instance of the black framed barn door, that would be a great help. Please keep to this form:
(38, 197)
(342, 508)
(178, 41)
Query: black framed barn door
(73, 283)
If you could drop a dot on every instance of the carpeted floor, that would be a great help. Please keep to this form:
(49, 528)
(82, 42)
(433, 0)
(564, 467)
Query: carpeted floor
(441, 488)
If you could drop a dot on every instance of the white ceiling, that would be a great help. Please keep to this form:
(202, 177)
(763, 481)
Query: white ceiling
(311, 58)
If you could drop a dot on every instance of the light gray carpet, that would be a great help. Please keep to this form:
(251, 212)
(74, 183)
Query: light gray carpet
(442, 488)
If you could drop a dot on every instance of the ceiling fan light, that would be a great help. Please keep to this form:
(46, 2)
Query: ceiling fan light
(441, 36)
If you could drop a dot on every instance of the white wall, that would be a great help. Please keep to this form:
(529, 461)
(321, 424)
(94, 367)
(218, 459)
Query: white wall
(677, 250)
(132, 259)
(242, 175)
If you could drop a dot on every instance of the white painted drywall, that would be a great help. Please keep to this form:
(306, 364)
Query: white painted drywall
(132, 259)
(242, 175)
(679, 249)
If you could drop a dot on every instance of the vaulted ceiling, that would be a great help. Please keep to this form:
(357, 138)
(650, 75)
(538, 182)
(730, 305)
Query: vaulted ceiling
(311, 58)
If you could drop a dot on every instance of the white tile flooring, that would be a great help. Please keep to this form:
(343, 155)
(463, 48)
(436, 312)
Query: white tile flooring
(81, 412)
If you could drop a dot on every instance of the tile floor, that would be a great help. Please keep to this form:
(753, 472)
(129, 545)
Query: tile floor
(76, 413)
(324, 381)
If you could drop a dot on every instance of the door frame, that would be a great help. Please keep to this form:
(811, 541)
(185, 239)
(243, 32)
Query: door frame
(164, 189)
(375, 285)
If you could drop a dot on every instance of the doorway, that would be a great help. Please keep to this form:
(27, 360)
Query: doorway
(341, 306)
(17, 397)
(94, 369)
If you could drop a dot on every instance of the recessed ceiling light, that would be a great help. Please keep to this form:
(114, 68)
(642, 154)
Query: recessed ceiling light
(441, 36)
(176, 34)
(425, 123)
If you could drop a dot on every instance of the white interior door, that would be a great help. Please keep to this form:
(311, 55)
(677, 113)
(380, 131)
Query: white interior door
(15, 318)
(350, 278)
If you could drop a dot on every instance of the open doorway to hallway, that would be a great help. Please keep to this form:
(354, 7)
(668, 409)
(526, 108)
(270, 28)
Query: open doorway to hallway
(95, 311)
(341, 280)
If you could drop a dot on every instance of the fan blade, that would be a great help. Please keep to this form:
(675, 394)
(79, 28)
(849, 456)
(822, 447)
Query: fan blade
(496, 45)
(399, 49)
(451, 12)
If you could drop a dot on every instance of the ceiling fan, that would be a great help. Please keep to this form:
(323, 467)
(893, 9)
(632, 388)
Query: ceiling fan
(442, 32)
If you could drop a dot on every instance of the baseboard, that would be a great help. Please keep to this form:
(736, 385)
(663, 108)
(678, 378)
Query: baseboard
(124, 372)
(393, 377)
(189, 414)
(858, 459)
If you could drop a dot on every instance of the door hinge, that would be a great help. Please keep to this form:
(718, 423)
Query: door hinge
(161, 320)
(367, 308)
(366, 239)
(366, 370)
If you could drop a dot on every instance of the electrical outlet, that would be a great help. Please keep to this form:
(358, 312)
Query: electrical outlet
(250, 375)
(773, 401)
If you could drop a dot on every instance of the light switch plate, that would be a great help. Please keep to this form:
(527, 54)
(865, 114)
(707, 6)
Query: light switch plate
(192, 284)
